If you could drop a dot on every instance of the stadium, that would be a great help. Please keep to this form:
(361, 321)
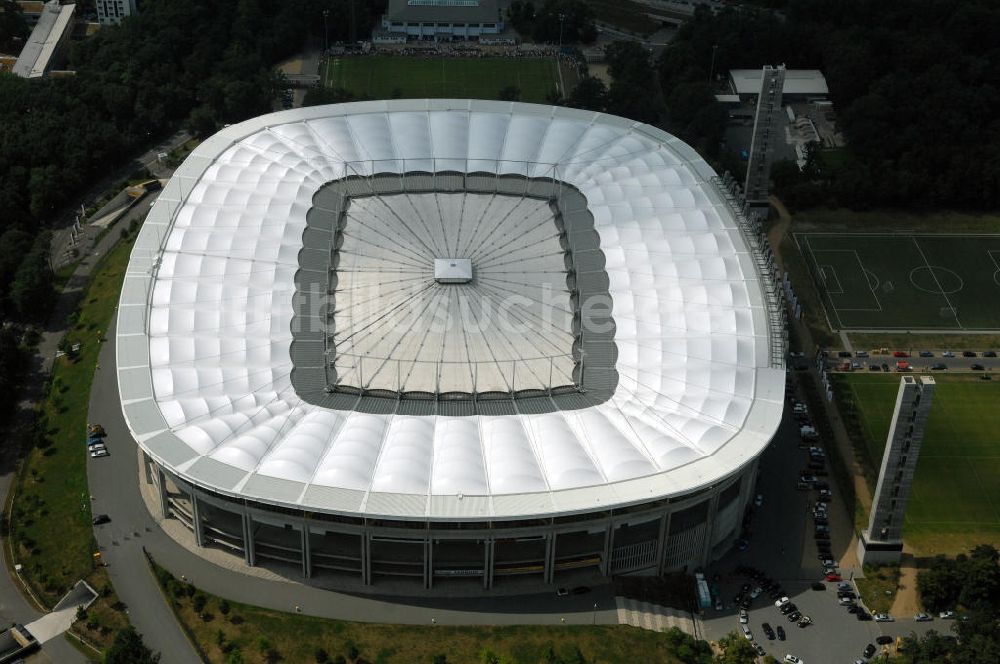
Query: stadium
(451, 339)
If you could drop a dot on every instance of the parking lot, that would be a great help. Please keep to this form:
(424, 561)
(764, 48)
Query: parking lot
(783, 547)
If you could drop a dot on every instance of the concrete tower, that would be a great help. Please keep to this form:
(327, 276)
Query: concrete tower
(882, 542)
(765, 130)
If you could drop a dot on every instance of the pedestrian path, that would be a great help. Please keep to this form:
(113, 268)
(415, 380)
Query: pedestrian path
(653, 617)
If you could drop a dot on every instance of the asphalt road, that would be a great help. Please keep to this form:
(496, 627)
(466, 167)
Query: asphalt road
(781, 545)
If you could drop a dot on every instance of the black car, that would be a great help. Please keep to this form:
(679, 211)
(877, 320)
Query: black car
(884, 640)
(100, 518)
(968, 353)
(844, 353)
(768, 632)
(781, 633)
(818, 585)
(794, 616)
(885, 367)
(990, 353)
(926, 353)
(869, 650)
(788, 608)
(853, 608)
(977, 367)
(759, 649)
(863, 615)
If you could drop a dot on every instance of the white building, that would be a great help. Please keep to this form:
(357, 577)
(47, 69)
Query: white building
(47, 41)
(304, 390)
(111, 12)
(799, 84)
(443, 20)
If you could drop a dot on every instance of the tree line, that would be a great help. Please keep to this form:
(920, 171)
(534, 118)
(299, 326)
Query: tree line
(203, 63)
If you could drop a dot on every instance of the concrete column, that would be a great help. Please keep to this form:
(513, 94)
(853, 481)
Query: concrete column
(366, 558)
(661, 542)
(430, 563)
(249, 555)
(488, 551)
(609, 543)
(427, 564)
(706, 549)
(306, 552)
(147, 467)
(161, 490)
(199, 534)
(550, 557)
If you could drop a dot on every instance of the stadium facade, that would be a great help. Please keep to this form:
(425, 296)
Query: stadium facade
(450, 338)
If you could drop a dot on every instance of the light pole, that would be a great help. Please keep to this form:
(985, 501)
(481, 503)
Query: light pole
(595, 613)
(711, 71)
(326, 33)
(562, 17)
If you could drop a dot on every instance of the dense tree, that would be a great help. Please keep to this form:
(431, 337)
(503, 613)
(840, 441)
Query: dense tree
(572, 19)
(128, 648)
(148, 76)
(31, 290)
(633, 92)
(590, 94)
(735, 650)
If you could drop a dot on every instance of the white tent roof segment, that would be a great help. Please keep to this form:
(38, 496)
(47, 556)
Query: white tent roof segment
(203, 328)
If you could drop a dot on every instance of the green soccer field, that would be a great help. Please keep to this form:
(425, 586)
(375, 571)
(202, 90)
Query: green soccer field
(386, 77)
(956, 492)
(871, 281)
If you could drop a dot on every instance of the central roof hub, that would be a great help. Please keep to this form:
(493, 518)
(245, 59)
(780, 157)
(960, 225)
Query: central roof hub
(452, 270)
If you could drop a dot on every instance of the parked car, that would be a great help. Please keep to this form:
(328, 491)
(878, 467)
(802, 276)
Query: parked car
(805, 621)
(788, 608)
(861, 353)
(947, 353)
(747, 634)
(883, 617)
(744, 618)
(939, 366)
(98, 454)
(780, 631)
(977, 367)
(922, 617)
(100, 519)
(862, 614)
(990, 353)
(844, 353)
(968, 353)
(947, 615)
(869, 651)
(768, 632)
(832, 576)
(792, 659)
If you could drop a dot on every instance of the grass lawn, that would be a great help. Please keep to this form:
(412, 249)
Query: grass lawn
(955, 500)
(385, 77)
(878, 587)
(259, 633)
(50, 516)
(873, 281)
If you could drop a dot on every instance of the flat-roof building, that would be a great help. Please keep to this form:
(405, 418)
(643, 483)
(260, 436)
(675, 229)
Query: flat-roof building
(799, 83)
(443, 20)
(47, 42)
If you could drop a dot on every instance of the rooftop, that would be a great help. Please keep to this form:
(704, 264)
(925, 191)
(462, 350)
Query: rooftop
(38, 52)
(797, 81)
(225, 379)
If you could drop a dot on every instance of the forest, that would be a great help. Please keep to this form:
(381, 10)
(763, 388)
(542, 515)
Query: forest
(916, 86)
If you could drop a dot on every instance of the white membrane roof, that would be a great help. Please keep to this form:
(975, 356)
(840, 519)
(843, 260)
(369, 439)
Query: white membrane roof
(203, 330)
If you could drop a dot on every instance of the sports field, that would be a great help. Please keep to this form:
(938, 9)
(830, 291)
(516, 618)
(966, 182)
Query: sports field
(873, 281)
(956, 491)
(386, 77)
